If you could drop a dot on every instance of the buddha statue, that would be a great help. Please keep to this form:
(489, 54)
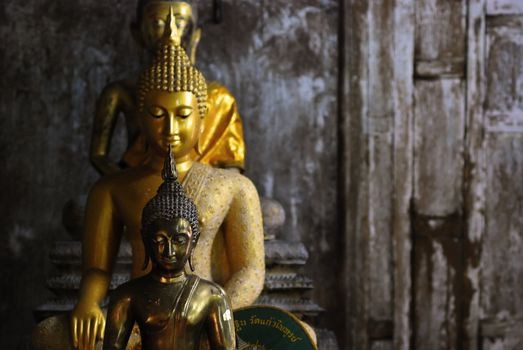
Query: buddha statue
(171, 109)
(221, 139)
(173, 310)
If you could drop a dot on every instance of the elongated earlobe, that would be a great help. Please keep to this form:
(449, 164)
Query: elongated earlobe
(198, 147)
(190, 262)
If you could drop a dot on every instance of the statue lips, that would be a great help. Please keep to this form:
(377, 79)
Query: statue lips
(173, 139)
(171, 259)
(169, 264)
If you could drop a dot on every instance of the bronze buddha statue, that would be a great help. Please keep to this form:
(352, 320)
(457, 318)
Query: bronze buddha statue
(173, 310)
(171, 106)
(221, 141)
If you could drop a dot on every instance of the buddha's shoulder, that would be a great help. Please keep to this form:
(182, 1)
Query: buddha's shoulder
(225, 177)
(209, 289)
(216, 91)
(127, 290)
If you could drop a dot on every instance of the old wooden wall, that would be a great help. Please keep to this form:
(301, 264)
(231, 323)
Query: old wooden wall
(501, 274)
(431, 128)
(376, 105)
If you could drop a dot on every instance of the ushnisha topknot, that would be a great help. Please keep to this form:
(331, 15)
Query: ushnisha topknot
(142, 3)
(170, 202)
(172, 71)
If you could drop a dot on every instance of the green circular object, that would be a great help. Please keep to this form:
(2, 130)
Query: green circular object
(270, 328)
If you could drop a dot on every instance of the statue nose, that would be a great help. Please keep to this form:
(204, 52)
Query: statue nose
(172, 125)
(170, 250)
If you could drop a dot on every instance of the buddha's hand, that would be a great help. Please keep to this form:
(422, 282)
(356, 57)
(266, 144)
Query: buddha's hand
(87, 325)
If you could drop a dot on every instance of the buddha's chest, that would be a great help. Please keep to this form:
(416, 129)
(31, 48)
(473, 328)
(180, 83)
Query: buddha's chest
(214, 204)
(213, 200)
(162, 320)
(130, 202)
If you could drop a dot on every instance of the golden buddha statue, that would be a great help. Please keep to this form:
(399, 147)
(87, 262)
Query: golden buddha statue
(172, 104)
(173, 310)
(221, 141)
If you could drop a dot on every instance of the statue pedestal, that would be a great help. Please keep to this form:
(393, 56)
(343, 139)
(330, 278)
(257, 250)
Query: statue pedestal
(286, 287)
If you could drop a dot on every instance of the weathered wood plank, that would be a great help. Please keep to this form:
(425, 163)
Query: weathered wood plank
(380, 278)
(474, 179)
(354, 106)
(504, 121)
(504, 97)
(440, 29)
(502, 271)
(508, 21)
(438, 147)
(377, 103)
(437, 280)
(454, 68)
(504, 7)
(380, 67)
(402, 154)
(439, 120)
(501, 332)
(500, 327)
(500, 343)
(379, 123)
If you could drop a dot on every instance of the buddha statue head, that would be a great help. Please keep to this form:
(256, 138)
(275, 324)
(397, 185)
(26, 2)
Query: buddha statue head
(172, 98)
(170, 228)
(151, 22)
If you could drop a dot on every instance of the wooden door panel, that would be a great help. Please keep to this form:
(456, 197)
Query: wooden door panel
(501, 268)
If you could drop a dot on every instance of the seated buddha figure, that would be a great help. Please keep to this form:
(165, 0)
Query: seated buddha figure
(221, 139)
(171, 107)
(173, 310)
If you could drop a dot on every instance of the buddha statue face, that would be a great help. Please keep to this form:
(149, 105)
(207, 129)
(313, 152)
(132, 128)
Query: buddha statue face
(171, 118)
(152, 21)
(172, 98)
(170, 228)
(170, 244)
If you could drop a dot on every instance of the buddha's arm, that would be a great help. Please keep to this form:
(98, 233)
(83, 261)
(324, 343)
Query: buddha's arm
(101, 239)
(114, 98)
(244, 245)
(220, 323)
(120, 321)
